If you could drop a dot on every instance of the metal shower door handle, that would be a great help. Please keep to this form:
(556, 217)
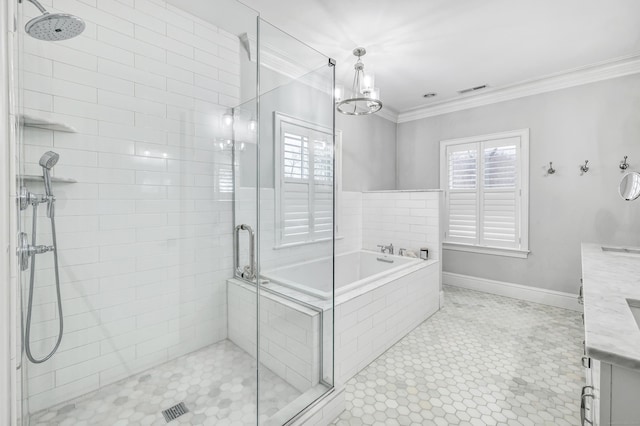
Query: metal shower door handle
(249, 271)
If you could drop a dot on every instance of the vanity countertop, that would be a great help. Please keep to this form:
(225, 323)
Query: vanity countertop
(609, 279)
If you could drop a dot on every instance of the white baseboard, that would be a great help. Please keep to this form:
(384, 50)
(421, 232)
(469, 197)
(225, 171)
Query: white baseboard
(516, 291)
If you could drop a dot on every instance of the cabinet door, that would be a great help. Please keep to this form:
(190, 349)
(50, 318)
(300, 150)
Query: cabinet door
(597, 389)
(625, 396)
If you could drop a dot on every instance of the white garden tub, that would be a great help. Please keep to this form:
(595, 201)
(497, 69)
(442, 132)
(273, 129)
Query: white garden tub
(352, 270)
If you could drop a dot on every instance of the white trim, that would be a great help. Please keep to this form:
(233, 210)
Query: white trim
(279, 180)
(605, 70)
(522, 133)
(523, 187)
(388, 114)
(294, 67)
(517, 291)
(496, 251)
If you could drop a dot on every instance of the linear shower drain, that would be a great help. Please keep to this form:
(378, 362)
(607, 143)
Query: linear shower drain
(175, 412)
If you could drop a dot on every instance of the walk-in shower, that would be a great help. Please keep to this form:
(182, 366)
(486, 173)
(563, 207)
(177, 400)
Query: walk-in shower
(156, 138)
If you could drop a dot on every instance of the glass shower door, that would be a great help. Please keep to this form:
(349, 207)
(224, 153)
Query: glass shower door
(296, 225)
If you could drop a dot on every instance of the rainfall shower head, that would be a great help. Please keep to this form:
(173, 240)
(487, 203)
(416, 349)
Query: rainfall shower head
(49, 159)
(53, 26)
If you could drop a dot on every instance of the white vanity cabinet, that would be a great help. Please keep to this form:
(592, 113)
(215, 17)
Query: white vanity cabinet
(611, 361)
(611, 396)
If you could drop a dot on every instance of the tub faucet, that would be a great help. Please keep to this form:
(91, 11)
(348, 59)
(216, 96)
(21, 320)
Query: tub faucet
(386, 249)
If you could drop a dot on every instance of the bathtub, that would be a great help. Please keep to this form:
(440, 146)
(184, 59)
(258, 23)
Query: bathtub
(379, 298)
(354, 270)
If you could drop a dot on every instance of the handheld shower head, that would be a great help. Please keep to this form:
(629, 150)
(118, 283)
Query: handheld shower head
(53, 26)
(47, 161)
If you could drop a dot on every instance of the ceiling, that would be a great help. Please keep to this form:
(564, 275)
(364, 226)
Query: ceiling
(420, 46)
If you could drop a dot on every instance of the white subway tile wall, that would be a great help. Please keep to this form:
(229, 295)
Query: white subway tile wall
(369, 324)
(145, 234)
(289, 334)
(406, 219)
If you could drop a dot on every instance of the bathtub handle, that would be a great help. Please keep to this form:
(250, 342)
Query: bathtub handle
(249, 271)
(382, 259)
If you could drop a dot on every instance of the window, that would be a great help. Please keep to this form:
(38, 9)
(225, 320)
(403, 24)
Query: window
(485, 181)
(304, 181)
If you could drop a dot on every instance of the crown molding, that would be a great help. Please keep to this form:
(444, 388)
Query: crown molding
(578, 76)
(273, 58)
(388, 114)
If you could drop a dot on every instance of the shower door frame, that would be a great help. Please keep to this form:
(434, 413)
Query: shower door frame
(11, 394)
(6, 352)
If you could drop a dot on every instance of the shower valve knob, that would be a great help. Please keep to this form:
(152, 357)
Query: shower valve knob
(40, 249)
(26, 198)
(26, 250)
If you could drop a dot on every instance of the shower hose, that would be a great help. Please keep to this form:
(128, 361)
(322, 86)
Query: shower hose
(27, 337)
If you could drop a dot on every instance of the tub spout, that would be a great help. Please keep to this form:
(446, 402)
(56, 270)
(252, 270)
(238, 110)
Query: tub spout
(386, 249)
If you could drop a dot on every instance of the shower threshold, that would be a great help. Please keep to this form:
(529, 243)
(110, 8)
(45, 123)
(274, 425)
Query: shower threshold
(215, 383)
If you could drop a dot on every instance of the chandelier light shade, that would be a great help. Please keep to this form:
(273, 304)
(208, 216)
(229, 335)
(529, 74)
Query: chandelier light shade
(364, 97)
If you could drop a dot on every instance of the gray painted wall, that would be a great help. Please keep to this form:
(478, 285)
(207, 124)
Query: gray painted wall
(599, 122)
(368, 152)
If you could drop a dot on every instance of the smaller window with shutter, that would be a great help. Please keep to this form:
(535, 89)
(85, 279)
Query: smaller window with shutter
(486, 191)
(306, 165)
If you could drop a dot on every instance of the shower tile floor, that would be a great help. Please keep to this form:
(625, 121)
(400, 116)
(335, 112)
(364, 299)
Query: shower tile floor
(216, 383)
(481, 360)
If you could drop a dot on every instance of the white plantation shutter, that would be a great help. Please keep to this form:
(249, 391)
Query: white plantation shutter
(295, 152)
(223, 174)
(463, 217)
(306, 179)
(295, 211)
(462, 203)
(323, 190)
(295, 186)
(483, 191)
(500, 203)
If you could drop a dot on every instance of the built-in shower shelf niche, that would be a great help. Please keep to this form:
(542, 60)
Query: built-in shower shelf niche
(28, 120)
(38, 178)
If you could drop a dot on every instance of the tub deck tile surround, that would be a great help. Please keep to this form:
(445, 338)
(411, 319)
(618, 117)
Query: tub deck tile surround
(370, 322)
(289, 333)
(482, 360)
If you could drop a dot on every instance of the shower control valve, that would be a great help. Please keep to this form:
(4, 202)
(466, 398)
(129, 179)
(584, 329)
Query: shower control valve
(26, 198)
(26, 250)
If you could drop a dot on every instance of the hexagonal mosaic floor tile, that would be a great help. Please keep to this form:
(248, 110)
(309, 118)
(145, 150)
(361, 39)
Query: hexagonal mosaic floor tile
(481, 360)
(217, 384)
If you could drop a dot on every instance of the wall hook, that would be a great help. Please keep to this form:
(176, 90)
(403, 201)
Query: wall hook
(585, 168)
(551, 169)
(623, 164)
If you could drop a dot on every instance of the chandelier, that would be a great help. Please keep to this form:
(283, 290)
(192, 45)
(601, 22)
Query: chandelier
(364, 97)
